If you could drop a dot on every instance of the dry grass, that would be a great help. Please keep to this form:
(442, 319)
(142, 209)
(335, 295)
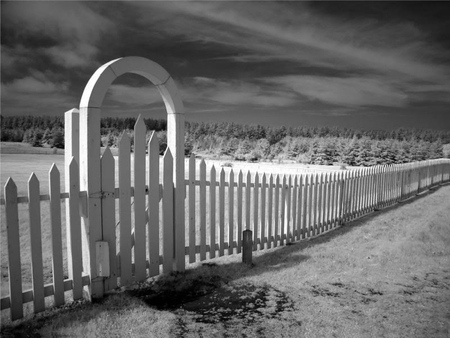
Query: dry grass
(385, 275)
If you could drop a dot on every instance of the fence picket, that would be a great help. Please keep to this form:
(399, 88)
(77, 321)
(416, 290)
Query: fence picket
(269, 212)
(212, 213)
(320, 186)
(34, 208)
(192, 232)
(230, 212)
(328, 191)
(239, 215)
(247, 201)
(305, 188)
(299, 208)
(140, 262)
(314, 205)
(13, 236)
(221, 213)
(294, 196)
(334, 201)
(55, 222)
(309, 224)
(75, 230)
(202, 210)
(153, 205)
(283, 208)
(277, 205)
(168, 221)
(263, 212)
(255, 212)
(287, 216)
(107, 167)
(125, 210)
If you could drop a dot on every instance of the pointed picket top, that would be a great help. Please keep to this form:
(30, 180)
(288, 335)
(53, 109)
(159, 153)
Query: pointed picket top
(213, 170)
(299, 180)
(107, 158)
(202, 165)
(231, 174)
(168, 156)
(222, 174)
(153, 143)
(107, 153)
(10, 187)
(240, 175)
(140, 125)
(53, 170)
(124, 143)
(33, 179)
(73, 162)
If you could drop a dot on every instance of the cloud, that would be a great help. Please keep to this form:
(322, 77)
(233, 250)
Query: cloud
(134, 96)
(297, 32)
(67, 32)
(344, 91)
(234, 92)
(36, 83)
(58, 20)
(80, 55)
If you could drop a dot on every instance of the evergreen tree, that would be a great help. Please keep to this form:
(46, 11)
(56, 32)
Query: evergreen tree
(57, 140)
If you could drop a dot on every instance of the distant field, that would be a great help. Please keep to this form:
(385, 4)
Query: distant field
(25, 148)
(19, 160)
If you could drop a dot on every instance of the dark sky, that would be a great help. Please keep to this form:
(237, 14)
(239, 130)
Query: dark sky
(369, 65)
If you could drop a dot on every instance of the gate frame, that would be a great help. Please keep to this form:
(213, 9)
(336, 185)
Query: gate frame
(90, 174)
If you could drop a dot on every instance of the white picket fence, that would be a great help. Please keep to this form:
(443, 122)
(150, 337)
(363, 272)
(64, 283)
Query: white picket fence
(138, 220)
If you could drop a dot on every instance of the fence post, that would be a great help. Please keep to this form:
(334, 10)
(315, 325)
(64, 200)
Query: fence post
(247, 246)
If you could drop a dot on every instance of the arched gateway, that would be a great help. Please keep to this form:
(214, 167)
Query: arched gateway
(90, 113)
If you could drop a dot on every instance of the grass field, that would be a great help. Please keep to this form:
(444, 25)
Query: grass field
(385, 275)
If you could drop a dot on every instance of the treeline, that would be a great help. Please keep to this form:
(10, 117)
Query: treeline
(312, 145)
(49, 130)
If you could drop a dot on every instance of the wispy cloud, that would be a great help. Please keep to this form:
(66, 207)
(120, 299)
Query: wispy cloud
(133, 96)
(272, 30)
(344, 91)
(234, 92)
(67, 32)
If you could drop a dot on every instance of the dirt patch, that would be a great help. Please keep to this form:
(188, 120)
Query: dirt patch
(245, 302)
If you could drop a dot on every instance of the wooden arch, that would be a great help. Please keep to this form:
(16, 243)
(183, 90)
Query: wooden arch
(90, 174)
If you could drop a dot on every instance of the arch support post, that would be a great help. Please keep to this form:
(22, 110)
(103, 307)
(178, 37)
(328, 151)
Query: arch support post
(175, 126)
(90, 181)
